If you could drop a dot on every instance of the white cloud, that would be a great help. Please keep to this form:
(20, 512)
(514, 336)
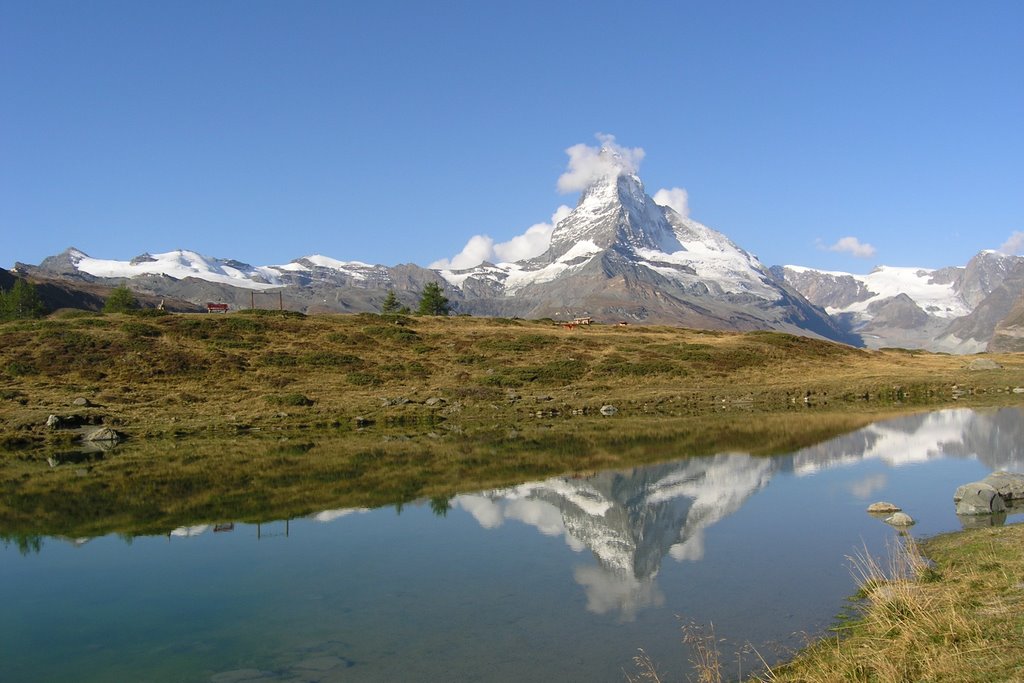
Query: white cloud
(853, 247)
(478, 249)
(532, 242)
(676, 198)
(588, 164)
(1014, 244)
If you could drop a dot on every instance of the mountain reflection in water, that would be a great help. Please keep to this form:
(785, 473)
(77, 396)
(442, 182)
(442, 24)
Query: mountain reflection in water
(631, 520)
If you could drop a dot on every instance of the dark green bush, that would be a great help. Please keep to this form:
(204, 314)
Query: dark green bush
(363, 379)
(135, 329)
(291, 400)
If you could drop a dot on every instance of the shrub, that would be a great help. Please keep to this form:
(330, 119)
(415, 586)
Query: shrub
(279, 360)
(150, 312)
(291, 400)
(135, 329)
(121, 300)
(363, 379)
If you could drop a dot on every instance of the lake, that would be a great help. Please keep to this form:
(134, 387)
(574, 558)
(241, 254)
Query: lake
(562, 579)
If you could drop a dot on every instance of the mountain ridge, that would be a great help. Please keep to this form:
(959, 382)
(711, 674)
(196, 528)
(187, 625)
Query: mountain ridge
(618, 256)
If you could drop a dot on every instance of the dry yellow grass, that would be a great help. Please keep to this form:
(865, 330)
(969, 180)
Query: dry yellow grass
(961, 620)
(188, 374)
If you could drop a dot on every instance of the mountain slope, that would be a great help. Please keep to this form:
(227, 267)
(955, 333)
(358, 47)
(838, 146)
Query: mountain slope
(953, 309)
(620, 256)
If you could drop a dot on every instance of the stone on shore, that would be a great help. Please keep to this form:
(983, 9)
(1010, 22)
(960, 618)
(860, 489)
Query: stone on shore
(1009, 485)
(102, 434)
(882, 506)
(978, 498)
(609, 410)
(984, 364)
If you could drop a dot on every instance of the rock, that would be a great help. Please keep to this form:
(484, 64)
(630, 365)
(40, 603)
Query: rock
(978, 498)
(1018, 390)
(102, 434)
(53, 422)
(882, 506)
(900, 519)
(81, 401)
(434, 401)
(1008, 485)
(984, 364)
(609, 410)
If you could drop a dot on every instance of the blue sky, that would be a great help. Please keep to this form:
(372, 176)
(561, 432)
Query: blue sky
(393, 132)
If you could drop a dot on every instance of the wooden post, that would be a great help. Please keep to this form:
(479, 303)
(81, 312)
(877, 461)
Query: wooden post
(280, 301)
(252, 300)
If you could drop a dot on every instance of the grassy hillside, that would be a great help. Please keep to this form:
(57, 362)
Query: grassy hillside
(185, 374)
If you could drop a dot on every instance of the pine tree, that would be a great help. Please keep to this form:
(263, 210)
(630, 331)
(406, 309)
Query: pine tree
(22, 301)
(121, 300)
(433, 301)
(391, 304)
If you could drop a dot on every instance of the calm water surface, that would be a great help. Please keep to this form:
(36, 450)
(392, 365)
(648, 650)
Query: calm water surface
(554, 580)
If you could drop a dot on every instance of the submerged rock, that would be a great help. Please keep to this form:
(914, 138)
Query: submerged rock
(883, 506)
(900, 519)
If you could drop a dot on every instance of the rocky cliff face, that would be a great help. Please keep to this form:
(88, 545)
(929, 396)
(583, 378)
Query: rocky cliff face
(1008, 335)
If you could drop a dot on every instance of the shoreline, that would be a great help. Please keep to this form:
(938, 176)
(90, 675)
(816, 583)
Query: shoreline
(947, 608)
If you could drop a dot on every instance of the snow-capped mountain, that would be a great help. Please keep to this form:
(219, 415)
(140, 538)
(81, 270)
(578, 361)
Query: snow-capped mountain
(617, 256)
(953, 309)
(620, 256)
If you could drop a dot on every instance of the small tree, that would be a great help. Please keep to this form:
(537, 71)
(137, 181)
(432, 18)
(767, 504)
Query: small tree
(433, 301)
(391, 304)
(22, 301)
(121, 300)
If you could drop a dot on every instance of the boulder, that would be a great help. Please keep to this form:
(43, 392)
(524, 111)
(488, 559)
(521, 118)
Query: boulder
(882, 506)
(81, 401)
(53, 422)
(609, 410)
(984, 364)
(1009, 485)
(978, 498)
(102, 434)
(900, 519)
